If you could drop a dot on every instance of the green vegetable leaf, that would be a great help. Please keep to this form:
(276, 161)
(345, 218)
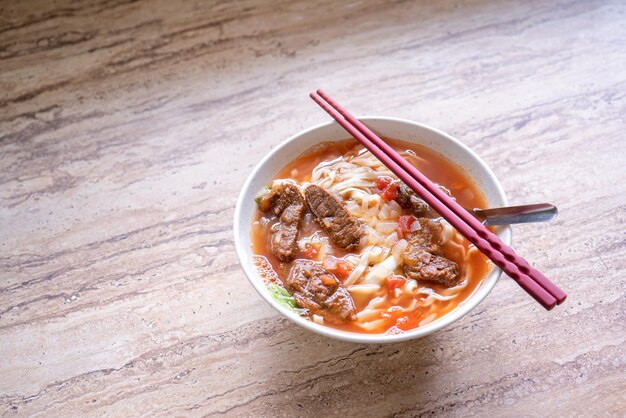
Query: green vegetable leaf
(281, 296)
(284, 299)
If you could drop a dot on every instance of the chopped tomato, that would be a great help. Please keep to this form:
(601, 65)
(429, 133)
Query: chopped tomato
(400, 233)
(343, 270)
(382, 182)
(390, 192)
(327, 279)
(340, 268)
(405, 222)
(394, 282)
(310, 251)
(388, 188)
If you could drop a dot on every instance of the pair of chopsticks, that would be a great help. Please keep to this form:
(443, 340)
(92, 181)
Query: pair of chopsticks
(531, 280)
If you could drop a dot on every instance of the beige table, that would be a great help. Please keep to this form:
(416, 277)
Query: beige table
(128, 128)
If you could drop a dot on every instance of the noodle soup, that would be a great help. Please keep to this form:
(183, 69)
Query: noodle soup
(340, 240)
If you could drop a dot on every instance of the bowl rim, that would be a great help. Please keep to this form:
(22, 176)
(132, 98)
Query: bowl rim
(459, 312)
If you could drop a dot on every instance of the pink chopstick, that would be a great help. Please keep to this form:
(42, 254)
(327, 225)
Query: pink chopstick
(531, 280)
(482, 231)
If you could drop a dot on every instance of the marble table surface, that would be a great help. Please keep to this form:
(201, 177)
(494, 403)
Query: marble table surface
(127, 129)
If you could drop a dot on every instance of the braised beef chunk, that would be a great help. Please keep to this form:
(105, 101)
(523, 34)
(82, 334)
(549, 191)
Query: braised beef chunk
(286, 202)
(343, 228)
(422, 258)
(429, 235)
(280, 197)
(422, 265)
(320, 292)
(408, 199)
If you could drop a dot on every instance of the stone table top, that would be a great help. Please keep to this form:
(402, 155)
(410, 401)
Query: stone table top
(127, 129)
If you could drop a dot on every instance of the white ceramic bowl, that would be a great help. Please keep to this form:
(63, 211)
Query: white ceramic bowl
(403, 129)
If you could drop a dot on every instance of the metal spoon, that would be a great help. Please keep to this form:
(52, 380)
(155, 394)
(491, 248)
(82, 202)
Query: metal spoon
(540, 212)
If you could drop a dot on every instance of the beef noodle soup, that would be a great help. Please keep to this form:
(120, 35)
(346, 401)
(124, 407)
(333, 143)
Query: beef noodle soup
(340, 240)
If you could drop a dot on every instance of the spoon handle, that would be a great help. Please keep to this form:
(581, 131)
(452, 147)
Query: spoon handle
(540, 212)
